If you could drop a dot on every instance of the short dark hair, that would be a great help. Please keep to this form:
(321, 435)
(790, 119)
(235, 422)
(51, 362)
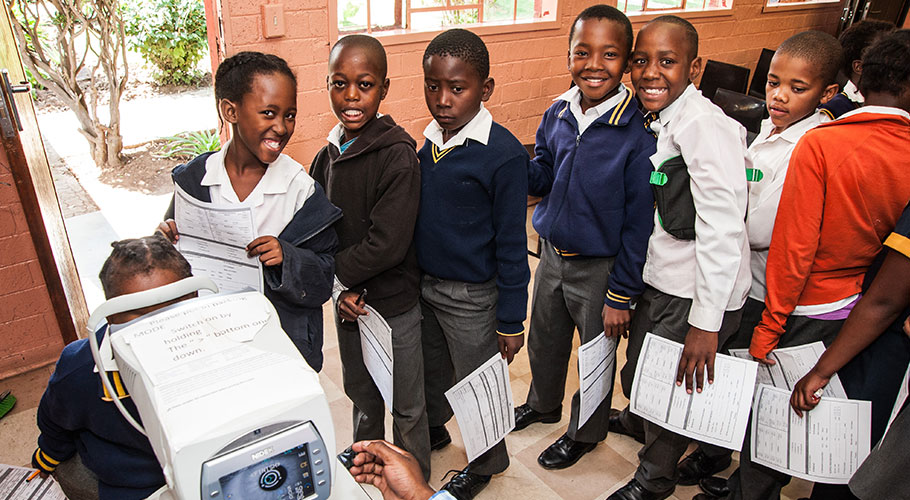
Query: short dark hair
(691, 32)
(886, 67)
(235, 75)
(859, 36)
(819, 49)
(140, 256)
(464, 45)
(607, 12)
(370, 45)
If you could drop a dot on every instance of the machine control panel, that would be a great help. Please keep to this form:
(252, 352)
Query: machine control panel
(269, 464)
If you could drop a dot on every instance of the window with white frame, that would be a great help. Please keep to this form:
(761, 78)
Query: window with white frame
(631, 7)
(376, 16)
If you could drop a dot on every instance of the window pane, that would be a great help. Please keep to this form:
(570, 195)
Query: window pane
(499, 10)
(416, 4)
(664, 4)
(696, 4)
(525, 9)
(633, 5)
(352, 15)
(382, 13)
(433, 20)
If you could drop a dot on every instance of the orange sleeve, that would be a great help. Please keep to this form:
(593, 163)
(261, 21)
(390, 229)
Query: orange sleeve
(794, 242)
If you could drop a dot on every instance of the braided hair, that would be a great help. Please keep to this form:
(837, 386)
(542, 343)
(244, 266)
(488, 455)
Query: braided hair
(140, 256)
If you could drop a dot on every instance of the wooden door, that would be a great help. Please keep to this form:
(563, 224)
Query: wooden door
(31, 196)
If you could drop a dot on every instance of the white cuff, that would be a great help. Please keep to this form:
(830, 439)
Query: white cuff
(706, 318)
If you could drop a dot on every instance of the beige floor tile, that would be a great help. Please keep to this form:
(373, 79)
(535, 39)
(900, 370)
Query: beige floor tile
(19, 436)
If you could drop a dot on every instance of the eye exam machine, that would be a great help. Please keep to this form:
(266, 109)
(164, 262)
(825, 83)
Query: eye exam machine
(232, 410)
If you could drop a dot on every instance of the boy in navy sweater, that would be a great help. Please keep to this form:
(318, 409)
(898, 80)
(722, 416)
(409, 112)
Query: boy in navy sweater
(470, 236)
(592, 167)
(85, 442)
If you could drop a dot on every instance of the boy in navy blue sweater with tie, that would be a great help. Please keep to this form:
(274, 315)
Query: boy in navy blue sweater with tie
(470, 237)
(592, 168)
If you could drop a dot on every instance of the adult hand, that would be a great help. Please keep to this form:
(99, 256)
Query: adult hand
(168, 228)
(698, 354)
(509, 345)
(268, 249)
(395, 472)
(804, 392)
(350, 306)
(616, 321)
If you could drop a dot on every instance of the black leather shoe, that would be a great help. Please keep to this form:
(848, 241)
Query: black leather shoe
(563, 453)
(617, 426)
(465, 485)
(439, 437)
(633, 490)
(525, 416)
(346, 457)
(698, 466)
(714, 487)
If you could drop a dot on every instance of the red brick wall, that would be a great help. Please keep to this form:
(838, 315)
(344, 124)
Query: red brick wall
(529, 67)
(29, 334)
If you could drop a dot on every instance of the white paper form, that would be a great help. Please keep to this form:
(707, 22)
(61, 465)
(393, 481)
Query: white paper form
(793, 363)
(13, 485)
(193, 355)
(483, 406)
(376, 347)
(596, 359)
(718, 415)
(213, 238)
(826, 445)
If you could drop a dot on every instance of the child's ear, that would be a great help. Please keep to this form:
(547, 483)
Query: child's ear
(694, 69)
(628, 68)
(385, 89)
(487, 89)
(829, 93)
(228, 110)
(857, 67)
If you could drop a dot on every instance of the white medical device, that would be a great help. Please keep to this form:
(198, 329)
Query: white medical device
(232, 410)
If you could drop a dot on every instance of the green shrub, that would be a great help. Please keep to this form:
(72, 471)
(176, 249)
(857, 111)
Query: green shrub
(170, 34)
(190, 144)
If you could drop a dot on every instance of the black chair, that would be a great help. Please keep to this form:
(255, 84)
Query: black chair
(747, 110)
(760, 76)
(721, 75)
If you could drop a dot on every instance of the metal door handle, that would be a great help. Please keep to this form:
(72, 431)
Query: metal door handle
(13, 89)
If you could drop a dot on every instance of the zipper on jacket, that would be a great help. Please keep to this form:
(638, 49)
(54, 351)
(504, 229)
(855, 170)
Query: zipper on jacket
(577, 140)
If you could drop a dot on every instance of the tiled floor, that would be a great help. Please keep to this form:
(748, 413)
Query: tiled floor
(600, 472)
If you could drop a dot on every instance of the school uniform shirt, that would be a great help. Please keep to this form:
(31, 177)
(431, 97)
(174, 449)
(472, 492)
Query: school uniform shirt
(473, 207)
(593, 177)
(846, 186)
(852, 92)
(283, 189)
(713, 269)
(770, 156)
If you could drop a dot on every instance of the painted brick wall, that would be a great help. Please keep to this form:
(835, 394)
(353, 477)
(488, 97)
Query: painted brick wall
(529, 67)
(29, 335)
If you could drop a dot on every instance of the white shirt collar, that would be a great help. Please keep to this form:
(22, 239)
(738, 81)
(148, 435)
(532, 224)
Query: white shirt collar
(478, 129)
(853, 93)
(884, 110)
(337, 133)
(794, 132)
(278, 176)
(667, 114)
(573, 97)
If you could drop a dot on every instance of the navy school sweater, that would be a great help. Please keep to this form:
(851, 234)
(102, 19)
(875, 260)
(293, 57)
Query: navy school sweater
(76, 415)
(471, 223)
(597, 200)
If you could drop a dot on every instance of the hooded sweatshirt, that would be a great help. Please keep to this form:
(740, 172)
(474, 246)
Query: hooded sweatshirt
(376, 183)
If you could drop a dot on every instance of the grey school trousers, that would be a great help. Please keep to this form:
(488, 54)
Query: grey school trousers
(667, 316)
(459, 335)
(568, 293)
(757, 482)
(409, 415)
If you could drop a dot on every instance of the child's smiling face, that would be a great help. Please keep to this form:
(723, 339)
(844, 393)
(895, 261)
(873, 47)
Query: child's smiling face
(598, 57)
(662, 64)
(264, 119)
(795, 88)
(453, 90)
(356, 88)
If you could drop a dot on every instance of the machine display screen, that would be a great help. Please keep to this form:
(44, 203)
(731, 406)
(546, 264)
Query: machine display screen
(287, 476)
